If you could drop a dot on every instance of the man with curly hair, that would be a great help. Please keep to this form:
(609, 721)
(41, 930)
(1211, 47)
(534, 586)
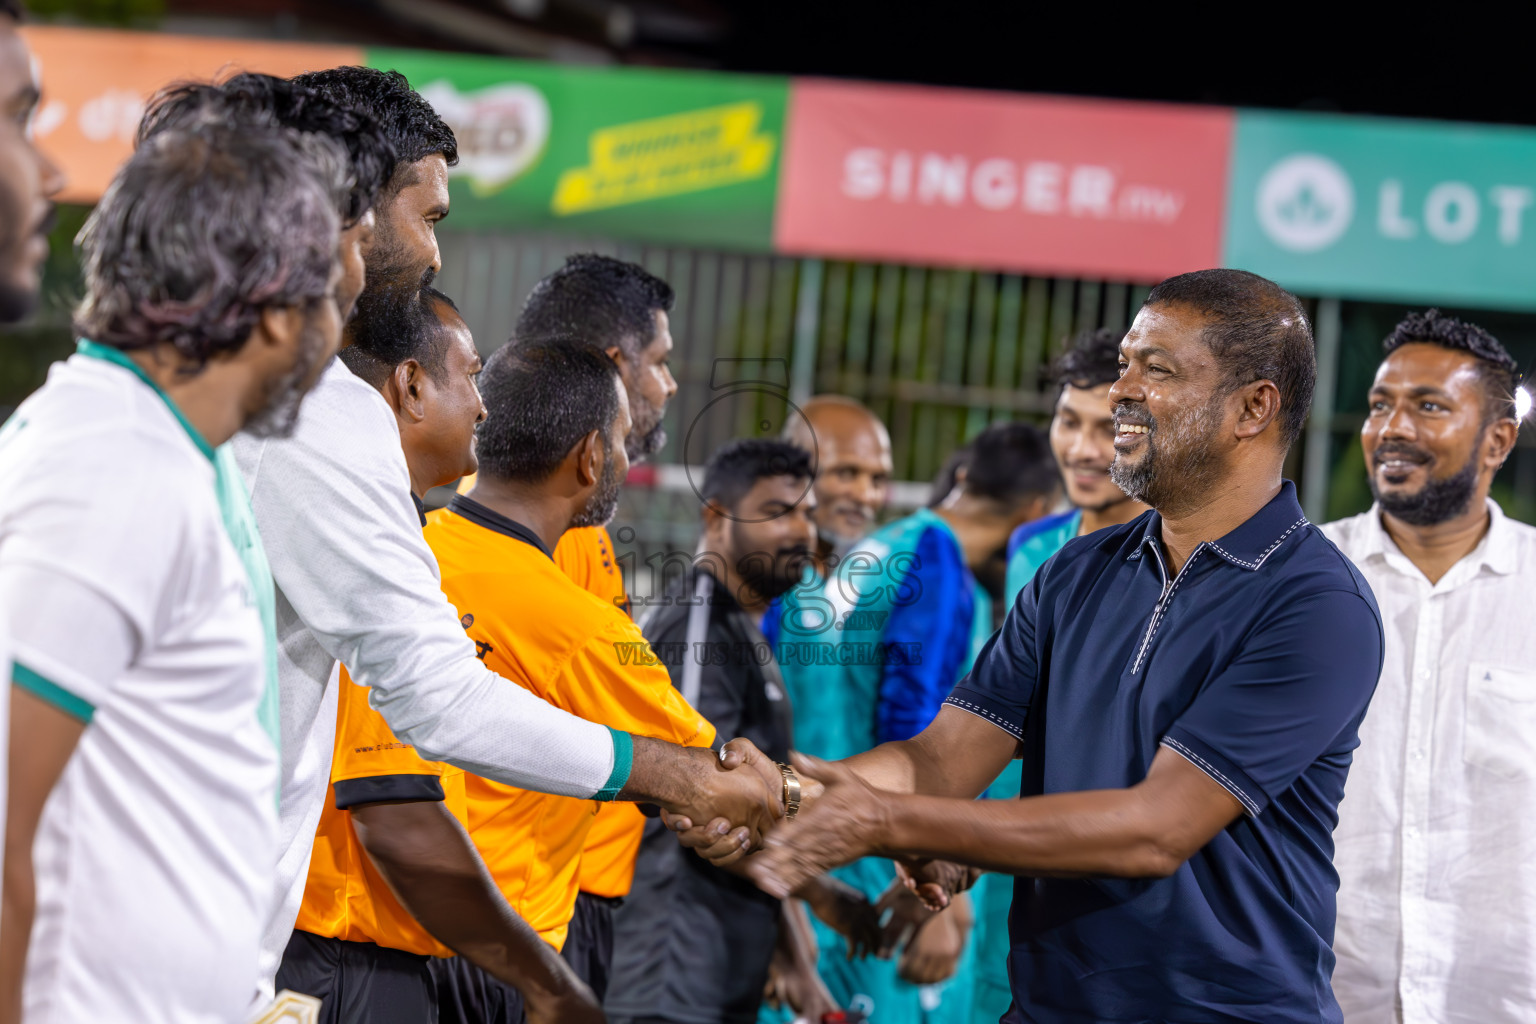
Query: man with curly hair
(135, 588)
(1437, 902)
(265, 99)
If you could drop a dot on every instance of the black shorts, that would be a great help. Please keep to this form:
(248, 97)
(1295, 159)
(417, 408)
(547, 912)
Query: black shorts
(359, 982)
(589, 942)
(468, 995)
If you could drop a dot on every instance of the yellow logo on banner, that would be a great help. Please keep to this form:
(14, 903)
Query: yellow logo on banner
(665, 156)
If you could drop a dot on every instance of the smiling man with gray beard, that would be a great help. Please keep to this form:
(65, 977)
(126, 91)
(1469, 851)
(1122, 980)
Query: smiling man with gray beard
(1185, 692)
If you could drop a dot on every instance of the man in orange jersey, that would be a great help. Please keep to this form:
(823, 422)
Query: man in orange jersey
(621, 309)
(394, 880)
(552, 458)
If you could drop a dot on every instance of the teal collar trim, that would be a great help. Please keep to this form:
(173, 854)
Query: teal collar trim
(108, 354)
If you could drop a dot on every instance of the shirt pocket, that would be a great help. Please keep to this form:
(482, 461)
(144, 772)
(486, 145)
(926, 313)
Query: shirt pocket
(1500, 731)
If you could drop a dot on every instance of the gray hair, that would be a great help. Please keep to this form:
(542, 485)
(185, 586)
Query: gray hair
(203, 228)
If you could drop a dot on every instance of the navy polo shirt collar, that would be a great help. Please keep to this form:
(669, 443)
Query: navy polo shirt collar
(1250, 545)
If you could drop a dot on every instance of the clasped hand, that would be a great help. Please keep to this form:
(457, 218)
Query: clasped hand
(737, 802)
(842, 818)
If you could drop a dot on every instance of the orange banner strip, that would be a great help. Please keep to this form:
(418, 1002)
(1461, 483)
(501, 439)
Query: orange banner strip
(95, 84)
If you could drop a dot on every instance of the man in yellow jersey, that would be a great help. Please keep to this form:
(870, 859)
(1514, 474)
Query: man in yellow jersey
(621, 309)
(552, 458)
(394, 880)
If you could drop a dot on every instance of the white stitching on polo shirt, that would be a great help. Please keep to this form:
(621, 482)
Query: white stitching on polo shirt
(1267, 551)
(1199, 762)
(1161, 608)
(981, 712)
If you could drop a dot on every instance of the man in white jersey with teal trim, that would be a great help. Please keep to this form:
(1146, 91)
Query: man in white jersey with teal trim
(28, 180)
(1083, 442)
(133, 582)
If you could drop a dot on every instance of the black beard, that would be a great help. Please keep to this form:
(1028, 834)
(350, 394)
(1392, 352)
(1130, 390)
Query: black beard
(637, 446)
(1434, 503)
(1175, 477)
(771, 576)
(600, 508)
(19, 303)
(389, 266)
(16, 304)
(280, 415)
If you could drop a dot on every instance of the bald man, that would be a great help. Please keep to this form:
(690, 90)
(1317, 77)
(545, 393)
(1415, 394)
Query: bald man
(852, 453)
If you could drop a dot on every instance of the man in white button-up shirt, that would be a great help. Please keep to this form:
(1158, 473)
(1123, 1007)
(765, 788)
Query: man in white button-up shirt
(1437, 840)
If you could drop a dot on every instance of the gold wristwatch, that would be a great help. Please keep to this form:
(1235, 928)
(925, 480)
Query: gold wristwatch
(791, 791)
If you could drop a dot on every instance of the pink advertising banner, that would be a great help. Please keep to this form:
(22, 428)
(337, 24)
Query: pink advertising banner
(1128, 191)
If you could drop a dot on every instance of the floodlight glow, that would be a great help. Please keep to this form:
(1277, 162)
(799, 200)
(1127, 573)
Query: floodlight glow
(1522, 403)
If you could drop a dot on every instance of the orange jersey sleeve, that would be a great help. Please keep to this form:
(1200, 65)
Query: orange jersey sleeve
(344, 896)
(533, 843)
(615, 679)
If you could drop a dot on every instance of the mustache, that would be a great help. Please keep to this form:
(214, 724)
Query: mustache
(1135, 415)
(1400, 450)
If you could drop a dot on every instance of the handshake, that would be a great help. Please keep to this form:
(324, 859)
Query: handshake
(729, 811)
(748, 803)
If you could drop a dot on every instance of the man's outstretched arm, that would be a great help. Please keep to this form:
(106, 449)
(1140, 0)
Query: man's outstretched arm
(433, 869)
(739, 791)
(365, 583)
(1145, 831)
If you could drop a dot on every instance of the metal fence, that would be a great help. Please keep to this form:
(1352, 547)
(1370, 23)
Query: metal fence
(936, 353)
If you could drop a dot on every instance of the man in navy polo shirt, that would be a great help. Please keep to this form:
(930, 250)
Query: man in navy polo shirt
(1184, 692)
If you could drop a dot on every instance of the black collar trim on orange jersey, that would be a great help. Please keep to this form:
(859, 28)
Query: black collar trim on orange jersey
(493, 520)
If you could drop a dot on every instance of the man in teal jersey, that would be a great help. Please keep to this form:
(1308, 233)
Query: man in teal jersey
(1083, 442)
(870, 653)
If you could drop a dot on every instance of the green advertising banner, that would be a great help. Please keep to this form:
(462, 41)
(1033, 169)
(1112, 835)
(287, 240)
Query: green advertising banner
(673, 157)
(1373, 208)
